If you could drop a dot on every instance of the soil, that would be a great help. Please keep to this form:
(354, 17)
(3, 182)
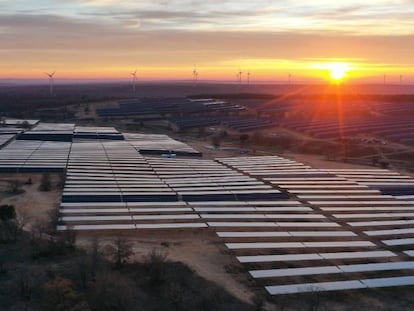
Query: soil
(31, 204)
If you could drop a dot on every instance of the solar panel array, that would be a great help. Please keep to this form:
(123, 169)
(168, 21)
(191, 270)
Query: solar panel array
(5, 138)
(294, 227)
(344, 254)
(10, 130)
(50, 132)
(34, 156)
(19, 122)
(238, 123)
(125, 173)
(207, 180)
(388, 182)
(393, 128)
(96, 132)
(168, 106)
(109, 185)
(159, 144)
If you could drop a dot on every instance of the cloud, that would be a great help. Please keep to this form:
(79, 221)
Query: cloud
(49, 33)
(84, 33)
(343, 17)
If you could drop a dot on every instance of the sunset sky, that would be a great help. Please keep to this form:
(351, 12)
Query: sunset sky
(164, 39)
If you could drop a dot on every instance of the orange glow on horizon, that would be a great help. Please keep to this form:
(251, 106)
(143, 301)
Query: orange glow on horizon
(272, 70)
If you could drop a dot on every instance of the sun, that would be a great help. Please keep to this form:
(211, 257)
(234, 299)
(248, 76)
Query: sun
(338, 71)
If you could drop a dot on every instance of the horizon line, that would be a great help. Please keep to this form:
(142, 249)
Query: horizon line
(64, 81)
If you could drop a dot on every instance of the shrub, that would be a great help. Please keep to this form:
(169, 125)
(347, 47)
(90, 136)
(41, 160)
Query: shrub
(120, 251)
(45, 184)
(7, 212)
(243, 138)
(216, 141)
(14, 187)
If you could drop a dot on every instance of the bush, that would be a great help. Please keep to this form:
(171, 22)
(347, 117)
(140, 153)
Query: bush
(120, 251)
(155, 263)
(114, 292)
(7, 212)
(243, 138)
(60, 295)
(9, 229)
(14, 187)
(45, 184)
(216, 141)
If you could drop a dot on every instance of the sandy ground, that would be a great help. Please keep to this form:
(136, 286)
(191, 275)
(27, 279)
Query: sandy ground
(200, 249)
(34, 204)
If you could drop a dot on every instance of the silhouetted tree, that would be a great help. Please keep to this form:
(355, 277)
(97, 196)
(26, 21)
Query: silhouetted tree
(114, 292)
(120, 251)
(243, 138)
(155, 261)
(14, 187)
(60, 295)
(216, 141)
(45, 184)
(7, 212)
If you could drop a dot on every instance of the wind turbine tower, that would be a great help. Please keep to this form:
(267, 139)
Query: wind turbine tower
(195, 75)
(134, 80)
(240, 75)
(51, 81)
(248, 77)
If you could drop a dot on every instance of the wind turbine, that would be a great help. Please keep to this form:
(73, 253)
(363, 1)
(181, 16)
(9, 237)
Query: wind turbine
(290, 78)
(385, 79)
(195, 74)
(248, 77)
(239, 75)
(51, 81)
(134, 79)
(401, 79)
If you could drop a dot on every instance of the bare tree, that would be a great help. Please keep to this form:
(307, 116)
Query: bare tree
(243, 138)
(37, 230)
(155, 261)
(176, 294)
(23, 218)
(120, 251)
(314, 301)
(95, 258)
(113, 292)
(60, 294)
(62, 179)
(25, 285)
(258, 302)
(45, 184)
(216, 141)
(14, 187)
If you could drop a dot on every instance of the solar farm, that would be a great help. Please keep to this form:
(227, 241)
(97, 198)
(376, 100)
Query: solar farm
(378, 120)
(294, 228)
